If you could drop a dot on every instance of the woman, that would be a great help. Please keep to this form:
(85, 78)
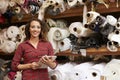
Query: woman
(34, 50)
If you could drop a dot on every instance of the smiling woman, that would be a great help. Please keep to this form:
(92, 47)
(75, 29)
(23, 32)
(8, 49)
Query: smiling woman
(33, 50)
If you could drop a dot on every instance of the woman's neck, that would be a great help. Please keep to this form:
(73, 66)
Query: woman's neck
(34, 40)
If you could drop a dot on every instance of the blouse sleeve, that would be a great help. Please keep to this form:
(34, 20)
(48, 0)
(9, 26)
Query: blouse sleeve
(51, 52)
(17, 58)
(50, 49)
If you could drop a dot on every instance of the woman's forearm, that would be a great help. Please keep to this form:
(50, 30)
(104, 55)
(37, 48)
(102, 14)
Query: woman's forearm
(33, 65)
(53, 65)
(24, 66)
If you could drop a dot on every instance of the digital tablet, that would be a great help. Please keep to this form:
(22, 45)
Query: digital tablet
(50, 57)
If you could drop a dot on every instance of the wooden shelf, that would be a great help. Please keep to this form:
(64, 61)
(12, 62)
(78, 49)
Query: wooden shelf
(78, 11)
(102, 51)
(2, 53)
(73, 12)
(91, 51)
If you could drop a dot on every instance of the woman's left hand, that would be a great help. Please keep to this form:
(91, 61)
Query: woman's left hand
(48, 61)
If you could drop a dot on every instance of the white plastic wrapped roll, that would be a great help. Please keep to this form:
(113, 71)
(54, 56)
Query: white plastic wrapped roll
(3, 34)
(118, 25)
(111, 20)
(119, 19)
(1, 42)
(50, 22)
(112, 70)
(8, 46)
(18, 75)
(62, 71)
(13, 32)
(22, 35)
(3, 6)
(77, 29)
(55, 35)
(61, 23)
(60, 34)
(95, 72)
(72, 3)
(111, 46)
(50, 38)
(79, 71)
(64, 44)
(114, 36)
(91, 16)
(45, 5)
(22, 29)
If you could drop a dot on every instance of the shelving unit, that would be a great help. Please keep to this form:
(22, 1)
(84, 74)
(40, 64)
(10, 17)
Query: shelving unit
(91, 51)
(78, 12)
(74, 12)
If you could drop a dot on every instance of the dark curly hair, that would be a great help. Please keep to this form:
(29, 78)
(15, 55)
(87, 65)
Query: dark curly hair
(44, 30)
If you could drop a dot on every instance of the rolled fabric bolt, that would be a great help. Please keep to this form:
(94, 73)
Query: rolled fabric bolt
(111, 70)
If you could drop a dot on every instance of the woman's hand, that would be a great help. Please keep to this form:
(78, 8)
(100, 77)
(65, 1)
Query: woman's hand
(48, 61)
(35, 65)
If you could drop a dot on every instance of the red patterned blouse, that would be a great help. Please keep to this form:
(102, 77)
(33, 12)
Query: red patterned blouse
(30, 54)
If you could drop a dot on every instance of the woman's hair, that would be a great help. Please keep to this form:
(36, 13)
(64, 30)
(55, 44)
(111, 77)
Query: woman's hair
(44, 30)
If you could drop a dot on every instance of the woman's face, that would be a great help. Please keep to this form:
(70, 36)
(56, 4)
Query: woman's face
(35, 29)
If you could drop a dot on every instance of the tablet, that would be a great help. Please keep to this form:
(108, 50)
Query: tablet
(50, 57)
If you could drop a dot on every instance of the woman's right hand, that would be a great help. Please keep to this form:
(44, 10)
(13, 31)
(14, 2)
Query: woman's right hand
(35, 65)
